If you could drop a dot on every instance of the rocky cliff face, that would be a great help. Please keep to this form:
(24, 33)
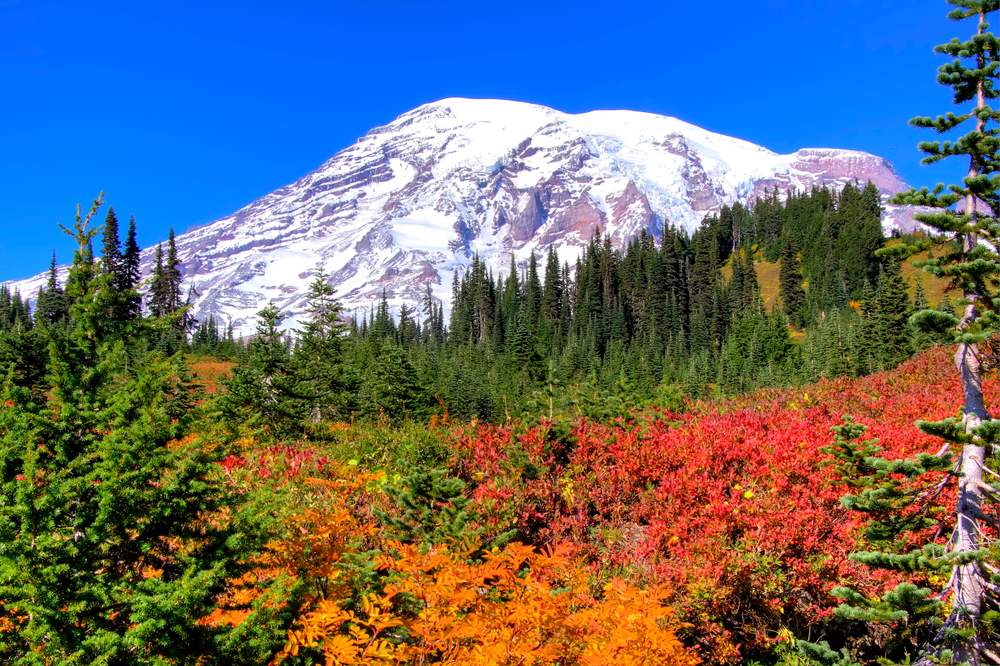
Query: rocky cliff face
(415, 200)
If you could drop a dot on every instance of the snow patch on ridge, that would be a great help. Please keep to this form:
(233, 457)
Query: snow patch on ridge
(413, 201)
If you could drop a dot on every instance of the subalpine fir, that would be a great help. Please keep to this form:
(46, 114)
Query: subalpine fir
(967, 628)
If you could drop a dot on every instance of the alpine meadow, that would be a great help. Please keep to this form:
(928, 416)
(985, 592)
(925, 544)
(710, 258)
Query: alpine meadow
(502, 385)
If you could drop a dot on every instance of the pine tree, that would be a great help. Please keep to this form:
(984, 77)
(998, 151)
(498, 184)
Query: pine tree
(129, 275)
(793, 297)
(961, 557)
(116, 537)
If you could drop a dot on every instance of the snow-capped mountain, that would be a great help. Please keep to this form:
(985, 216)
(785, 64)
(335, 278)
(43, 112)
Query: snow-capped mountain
(413, 201)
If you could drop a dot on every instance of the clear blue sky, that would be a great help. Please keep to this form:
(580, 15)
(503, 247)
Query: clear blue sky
(183, 112)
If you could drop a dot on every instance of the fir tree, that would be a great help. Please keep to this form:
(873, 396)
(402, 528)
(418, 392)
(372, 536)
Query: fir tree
(963, 636)
(790, 284)
(51, 304)
(392, 388)
(264, 387)
(128, 275)
(172, 275)
(111, 559)
(111, 255)
(433, 510)
(158, 287)
(891, 341)
(319, 356)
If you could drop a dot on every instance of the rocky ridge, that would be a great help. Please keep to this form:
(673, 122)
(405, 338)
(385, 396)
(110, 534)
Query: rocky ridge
(413, 201)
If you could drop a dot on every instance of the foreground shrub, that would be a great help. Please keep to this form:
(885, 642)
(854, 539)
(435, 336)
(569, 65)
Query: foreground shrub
(517, 606)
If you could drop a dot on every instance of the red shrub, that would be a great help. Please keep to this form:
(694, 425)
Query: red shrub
(730, 505)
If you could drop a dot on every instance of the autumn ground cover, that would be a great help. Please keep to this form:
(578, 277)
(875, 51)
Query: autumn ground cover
(369, 599)
(731, 504)
(209, 371)
(729, 511)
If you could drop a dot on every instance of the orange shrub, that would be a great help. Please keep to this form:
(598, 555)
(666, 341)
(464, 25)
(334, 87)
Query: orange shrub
(517, 606)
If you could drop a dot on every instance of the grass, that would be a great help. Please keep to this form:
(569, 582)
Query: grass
(768, 277)
(934, 287)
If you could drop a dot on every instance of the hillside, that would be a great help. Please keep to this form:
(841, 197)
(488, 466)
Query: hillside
(768, 272)
(731, 505)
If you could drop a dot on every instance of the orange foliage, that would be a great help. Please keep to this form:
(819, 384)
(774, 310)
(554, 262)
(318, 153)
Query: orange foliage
(210, 373)
(517, 606)
(315, 542)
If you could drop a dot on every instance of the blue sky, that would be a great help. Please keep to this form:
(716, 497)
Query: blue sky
(183, 112)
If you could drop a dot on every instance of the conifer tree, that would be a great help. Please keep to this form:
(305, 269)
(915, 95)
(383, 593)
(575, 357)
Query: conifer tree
(392, 388)
(433, 509)
(264, 387)
(319, 356)
(172, 275)
(964, 557)
(790, 283)
(553, 291)
(111, 255)
(51, 304)
(891, 335)
(158, 288)
(128, 275)
(115, 539)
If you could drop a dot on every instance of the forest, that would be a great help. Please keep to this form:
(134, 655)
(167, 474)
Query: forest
(770, 441)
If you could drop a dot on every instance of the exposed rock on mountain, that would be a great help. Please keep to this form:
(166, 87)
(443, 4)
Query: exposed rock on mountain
(413, 201)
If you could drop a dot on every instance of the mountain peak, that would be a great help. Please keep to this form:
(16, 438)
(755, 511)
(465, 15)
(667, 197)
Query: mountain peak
(414, 200)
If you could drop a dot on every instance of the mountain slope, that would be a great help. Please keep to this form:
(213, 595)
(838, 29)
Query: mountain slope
(414, 200)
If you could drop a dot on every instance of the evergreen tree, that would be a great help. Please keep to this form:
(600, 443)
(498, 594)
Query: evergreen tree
(960, 558)
(319, 356)
(111, 255)
(553, 292)
(128, 275)
(433, 510)
(51, 305)
(793, 297)
(264, 387)
(892, 343)
(172, 276)
(392, 388)
(116, 538)
(158, 287)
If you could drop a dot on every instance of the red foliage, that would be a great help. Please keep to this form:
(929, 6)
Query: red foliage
(280, 460)
(729, 505)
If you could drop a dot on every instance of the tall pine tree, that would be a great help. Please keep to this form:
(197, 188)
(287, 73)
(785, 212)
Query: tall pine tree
(965, 557)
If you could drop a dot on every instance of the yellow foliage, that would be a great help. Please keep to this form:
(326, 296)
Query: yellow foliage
(514, 606)
(517, 606)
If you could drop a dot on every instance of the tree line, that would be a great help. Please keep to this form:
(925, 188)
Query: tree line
(645, 324)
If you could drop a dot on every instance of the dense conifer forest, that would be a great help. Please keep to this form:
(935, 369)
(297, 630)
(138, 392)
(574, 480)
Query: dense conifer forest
(656, 322)
(653, 323)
